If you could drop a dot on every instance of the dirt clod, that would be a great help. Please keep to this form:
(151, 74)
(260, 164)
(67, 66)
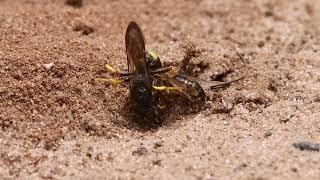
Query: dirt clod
(306, 145)
(140, 151)
(191, 51)
(158, 144)
(156, 162)
(74, 3)
(85, 29)
(267, 134)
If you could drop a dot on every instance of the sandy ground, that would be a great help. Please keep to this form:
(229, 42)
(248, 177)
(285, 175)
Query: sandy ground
(56, 121)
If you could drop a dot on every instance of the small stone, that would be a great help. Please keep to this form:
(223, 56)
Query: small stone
(268, 13)
(48, 66)
(156, 162)
(267, 134)
(158, 144)
(177, 150)
(140, 151)
(260, 44)
(240, 167)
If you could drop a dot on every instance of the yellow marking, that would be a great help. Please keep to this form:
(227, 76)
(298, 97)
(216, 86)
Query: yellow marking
(153, 55)
(163, 88)
(110, 68)
(111, 81)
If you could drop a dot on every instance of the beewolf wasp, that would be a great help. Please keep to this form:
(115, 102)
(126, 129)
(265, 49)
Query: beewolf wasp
(146, 76)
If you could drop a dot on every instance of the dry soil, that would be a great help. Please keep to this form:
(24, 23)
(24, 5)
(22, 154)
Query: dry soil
(57, 122)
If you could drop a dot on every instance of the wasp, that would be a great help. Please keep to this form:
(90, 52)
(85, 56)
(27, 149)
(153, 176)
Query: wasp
(140, 80)
(147, 76)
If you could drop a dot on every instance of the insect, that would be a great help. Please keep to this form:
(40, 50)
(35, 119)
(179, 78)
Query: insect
(140, 80)
(147, 76)
(190, 87)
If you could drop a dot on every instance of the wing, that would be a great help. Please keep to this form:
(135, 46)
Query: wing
(211, 84)
(190, 86)
(214, 84)
(136, 54)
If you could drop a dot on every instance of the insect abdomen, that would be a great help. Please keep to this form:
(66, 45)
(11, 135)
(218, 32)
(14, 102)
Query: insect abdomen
(194, 89)
(142, 98)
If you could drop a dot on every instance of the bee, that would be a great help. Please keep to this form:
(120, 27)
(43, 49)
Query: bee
(147, 76)
(170, 79)
(191, 87)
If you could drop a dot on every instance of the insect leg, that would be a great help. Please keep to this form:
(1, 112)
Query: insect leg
(111, 81)
(164, 88)
(114, 71)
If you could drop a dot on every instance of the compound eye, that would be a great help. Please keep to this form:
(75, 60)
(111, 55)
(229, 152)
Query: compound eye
(148, 58)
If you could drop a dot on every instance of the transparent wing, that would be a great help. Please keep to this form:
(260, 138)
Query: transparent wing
(191, 86)
(136, 54)
(205, 84)
(214, 84)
